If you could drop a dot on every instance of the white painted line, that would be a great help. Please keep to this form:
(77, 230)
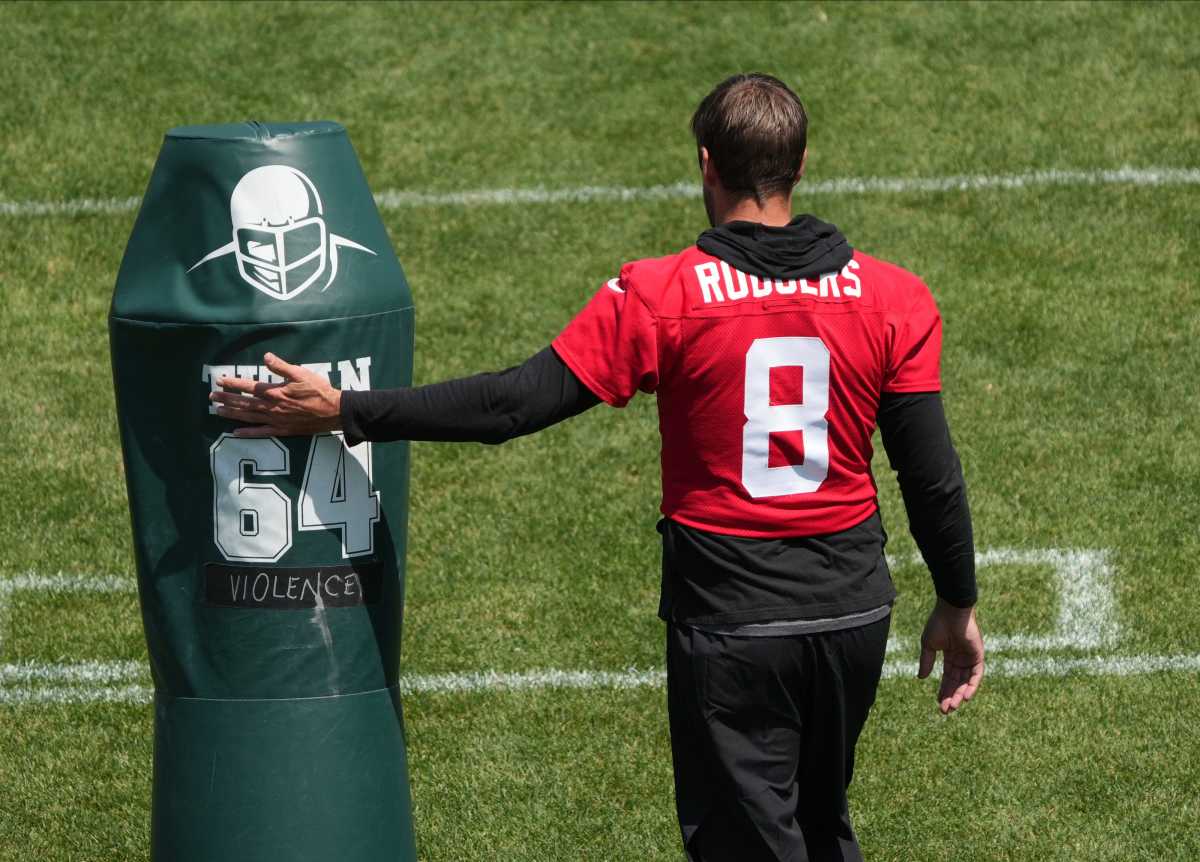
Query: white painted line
(76, 207)
(493, 681)
(84, 672)
(68, 583)
(1056, 666)
(536, 679)
(1086, 619)
(1030, 179)
(76, 694)
(392, 199)
(1087, 608)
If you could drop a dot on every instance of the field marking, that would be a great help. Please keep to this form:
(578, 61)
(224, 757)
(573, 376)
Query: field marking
(84, 672)
(138, 694)
(1086, 614)
(394, 199)
(64, 583)
(1086, 620)
(633, 678)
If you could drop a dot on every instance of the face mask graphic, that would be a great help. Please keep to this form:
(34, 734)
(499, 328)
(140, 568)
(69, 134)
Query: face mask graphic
(280, 240)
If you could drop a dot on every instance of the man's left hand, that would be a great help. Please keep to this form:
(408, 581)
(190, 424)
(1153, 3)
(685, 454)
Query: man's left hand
(305, 403)
(955, 634)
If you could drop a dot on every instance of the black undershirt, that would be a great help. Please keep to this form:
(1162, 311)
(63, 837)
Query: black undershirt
(711, 577)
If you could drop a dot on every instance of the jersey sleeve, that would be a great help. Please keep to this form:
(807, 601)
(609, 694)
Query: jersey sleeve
(612, 344)
(915, 359)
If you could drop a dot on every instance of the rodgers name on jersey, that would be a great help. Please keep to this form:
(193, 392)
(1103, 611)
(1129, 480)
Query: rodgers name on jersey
(720, 282)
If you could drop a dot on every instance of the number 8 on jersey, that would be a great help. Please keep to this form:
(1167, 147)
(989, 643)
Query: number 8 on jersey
(764, 418)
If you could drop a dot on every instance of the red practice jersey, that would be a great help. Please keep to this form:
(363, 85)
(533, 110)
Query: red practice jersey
(767, 389)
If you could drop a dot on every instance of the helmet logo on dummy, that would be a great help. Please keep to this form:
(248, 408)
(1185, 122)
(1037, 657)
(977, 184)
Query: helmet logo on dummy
(280, 240)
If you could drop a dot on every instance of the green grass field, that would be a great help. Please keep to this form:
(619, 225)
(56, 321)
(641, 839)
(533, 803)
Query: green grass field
(1072, 319)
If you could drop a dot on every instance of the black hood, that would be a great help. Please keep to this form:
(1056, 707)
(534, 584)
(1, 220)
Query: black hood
(805, 248)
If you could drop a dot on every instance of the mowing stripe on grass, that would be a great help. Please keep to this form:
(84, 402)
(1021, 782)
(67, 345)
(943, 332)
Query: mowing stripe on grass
(391, 199)
(57, 584)
(493, 681)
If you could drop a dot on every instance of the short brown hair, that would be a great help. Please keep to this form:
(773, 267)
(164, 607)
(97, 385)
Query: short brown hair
(755, 130)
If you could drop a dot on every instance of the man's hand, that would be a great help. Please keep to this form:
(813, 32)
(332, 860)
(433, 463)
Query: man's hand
(953, 632)
(302, 405)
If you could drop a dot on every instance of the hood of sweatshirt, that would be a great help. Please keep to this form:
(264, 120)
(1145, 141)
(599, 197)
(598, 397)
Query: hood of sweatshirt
(804, 248)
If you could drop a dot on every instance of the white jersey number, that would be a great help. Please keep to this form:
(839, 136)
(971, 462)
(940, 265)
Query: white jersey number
(252, 522)
(764, 418)
(337, 493)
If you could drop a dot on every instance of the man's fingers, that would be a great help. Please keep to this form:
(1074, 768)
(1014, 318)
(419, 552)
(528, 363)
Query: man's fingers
(947, 687)
(925, 666)
(241, 402)
(260, 431)
(959, 683)
(238, 384)
(950, 697)
(248, 387)
(283, 369)
(954, 674)
(953, 699)
(254, 416)
(972, 684)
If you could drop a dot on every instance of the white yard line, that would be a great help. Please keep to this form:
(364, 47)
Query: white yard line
(534, 679)
(392, 199)
(1086, 615)
(1086, 621)
(76, 694)
(494, 681)
(77, 673)
(1056, 666)
(67, 583)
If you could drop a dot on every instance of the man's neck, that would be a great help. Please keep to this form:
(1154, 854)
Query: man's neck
(775, 211)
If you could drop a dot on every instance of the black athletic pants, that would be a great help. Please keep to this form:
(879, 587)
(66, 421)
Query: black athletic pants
(763, 731)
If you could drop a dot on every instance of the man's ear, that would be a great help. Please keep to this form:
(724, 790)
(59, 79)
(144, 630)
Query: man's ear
(803, 165)
(708, 170)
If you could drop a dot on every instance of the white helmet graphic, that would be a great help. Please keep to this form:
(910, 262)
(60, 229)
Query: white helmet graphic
(280, 240)
(278, 231)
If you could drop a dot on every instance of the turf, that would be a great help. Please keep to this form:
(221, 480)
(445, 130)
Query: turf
(1070, 367)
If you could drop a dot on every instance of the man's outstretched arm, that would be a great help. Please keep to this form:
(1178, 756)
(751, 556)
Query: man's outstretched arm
(917, 439)
(486, 408)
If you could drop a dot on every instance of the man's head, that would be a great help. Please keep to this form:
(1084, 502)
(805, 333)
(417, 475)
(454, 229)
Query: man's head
(752, 132)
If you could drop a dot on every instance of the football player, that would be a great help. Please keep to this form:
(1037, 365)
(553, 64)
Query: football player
(774, 349)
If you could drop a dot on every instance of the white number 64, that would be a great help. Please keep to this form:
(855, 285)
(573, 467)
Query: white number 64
(252, 521)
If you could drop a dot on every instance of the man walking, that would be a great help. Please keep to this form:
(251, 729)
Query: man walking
(774, 349)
